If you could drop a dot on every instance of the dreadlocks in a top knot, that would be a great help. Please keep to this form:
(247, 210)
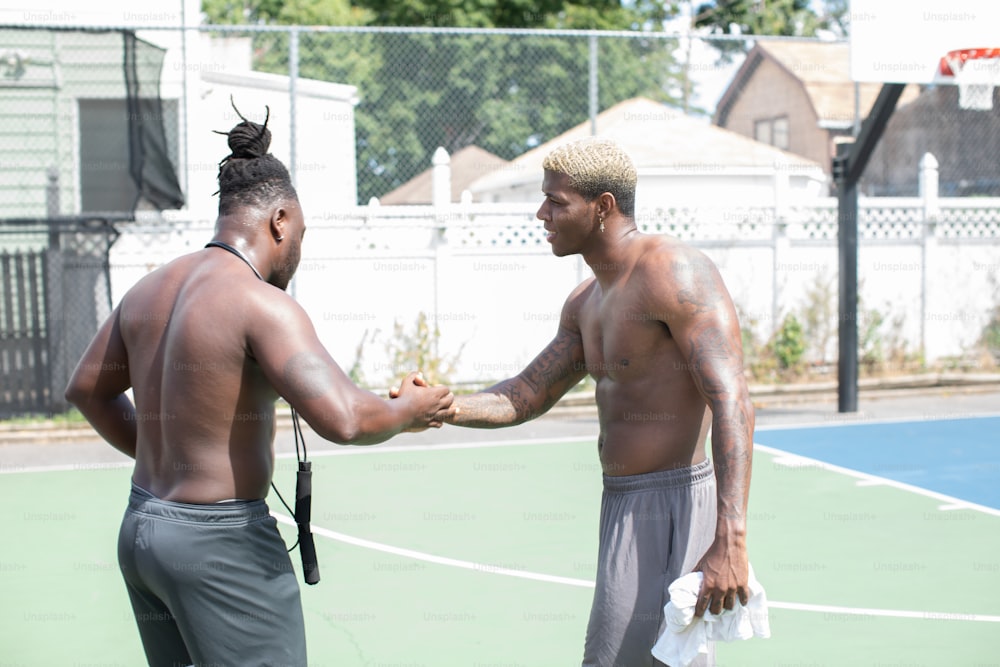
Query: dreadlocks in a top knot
(249, 140)
(249, 175)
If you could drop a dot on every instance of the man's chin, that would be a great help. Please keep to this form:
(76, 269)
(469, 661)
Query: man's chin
(560, 252)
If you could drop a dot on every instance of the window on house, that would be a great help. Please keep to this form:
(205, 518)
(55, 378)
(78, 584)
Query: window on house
(105, 182)
(779, 133)
(773, 131)
(762, 131)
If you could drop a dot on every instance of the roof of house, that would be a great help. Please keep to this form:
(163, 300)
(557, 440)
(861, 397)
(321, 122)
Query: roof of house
(660, 140)
(467, 165)
(824, 70)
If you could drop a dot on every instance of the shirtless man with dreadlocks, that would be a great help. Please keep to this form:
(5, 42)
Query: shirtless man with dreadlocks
(208, 343)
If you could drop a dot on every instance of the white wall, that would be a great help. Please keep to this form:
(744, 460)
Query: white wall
(324, 166)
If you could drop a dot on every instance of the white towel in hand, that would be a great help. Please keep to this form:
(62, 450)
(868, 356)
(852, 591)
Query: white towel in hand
(685, 636)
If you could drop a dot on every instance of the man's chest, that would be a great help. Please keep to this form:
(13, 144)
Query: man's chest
(624, 335)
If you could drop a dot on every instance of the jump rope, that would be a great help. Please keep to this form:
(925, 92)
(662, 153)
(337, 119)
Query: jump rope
(303, 480)
(303, 506)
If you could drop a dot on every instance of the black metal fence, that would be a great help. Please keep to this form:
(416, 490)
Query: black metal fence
(56, 293)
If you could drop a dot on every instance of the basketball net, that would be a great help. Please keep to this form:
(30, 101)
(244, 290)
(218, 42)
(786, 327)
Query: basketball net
(976, 72)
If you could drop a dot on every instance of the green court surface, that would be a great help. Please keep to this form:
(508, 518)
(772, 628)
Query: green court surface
(483, 555)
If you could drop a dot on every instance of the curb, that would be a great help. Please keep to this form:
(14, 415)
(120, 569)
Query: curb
(908, 385)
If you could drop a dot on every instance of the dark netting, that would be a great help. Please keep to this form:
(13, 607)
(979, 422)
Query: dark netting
(149, 163)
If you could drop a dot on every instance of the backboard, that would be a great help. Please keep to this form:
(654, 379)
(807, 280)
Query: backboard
(903, 41)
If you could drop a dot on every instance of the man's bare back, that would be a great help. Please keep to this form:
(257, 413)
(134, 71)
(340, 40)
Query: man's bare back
(208, 347)
(206, 418)
(208, 343)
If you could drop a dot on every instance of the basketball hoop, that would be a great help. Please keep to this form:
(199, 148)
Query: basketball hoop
(976, 72)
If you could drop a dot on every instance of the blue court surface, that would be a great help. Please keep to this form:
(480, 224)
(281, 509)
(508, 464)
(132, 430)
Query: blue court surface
(959, 458)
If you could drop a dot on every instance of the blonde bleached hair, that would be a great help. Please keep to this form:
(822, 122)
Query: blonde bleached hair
(596, 165)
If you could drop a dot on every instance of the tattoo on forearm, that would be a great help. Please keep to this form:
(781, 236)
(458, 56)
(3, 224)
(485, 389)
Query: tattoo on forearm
(529, 394)
(719, 375)
(553, 365)
(731, 447)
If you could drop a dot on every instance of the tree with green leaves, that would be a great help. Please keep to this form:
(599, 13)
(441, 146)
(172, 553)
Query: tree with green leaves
(503, 92)
(786, 18)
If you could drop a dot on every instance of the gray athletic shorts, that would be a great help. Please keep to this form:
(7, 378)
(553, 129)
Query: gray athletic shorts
(210, 584)
(654, 528)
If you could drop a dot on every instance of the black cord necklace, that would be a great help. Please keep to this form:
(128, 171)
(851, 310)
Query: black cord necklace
(229, 248)
(303, 485)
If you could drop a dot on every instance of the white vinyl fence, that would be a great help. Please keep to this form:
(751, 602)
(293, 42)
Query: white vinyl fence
(486, 277)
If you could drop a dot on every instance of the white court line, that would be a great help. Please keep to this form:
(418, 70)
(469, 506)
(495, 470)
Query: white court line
(795, 460)
(348, 450)
(344, 450)
(10, 469)
(584, 583)
(440, 560)
(864, 421)
(781, 458)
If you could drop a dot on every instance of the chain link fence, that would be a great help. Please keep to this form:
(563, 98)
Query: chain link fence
(509, 91)
(501, 91)
(71, 125)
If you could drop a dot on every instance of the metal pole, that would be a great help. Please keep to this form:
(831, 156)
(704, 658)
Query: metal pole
(293, 75)
(183, 159)
(848, 166)
(592, 86)
(847, 250)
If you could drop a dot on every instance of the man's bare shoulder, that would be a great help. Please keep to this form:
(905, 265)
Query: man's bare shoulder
(583, 289)
(575, 304)
(191, 280)
(668, 258)
(679, 277)
(579, 295)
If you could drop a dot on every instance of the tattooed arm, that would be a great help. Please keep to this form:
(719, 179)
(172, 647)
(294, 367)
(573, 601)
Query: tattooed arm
(706, 328)
(556, 370)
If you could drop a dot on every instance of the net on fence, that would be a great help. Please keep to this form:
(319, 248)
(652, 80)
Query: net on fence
(82, 124)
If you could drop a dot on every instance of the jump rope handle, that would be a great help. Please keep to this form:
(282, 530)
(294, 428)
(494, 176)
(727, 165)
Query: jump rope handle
(303, 512)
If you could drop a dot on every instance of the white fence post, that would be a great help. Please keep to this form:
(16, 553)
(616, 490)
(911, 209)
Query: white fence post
(441, 188)
(441, 198)
(928, 181)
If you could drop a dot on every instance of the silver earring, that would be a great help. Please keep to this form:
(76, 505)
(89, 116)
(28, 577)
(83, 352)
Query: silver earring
(601, 219)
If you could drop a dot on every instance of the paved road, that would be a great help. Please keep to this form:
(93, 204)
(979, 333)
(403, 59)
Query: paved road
(83, 447)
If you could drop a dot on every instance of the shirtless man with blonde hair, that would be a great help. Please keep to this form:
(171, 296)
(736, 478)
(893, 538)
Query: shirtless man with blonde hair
(657, 330)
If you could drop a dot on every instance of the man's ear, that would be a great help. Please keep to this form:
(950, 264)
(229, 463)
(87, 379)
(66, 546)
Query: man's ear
(277, 225)
(606, 203)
